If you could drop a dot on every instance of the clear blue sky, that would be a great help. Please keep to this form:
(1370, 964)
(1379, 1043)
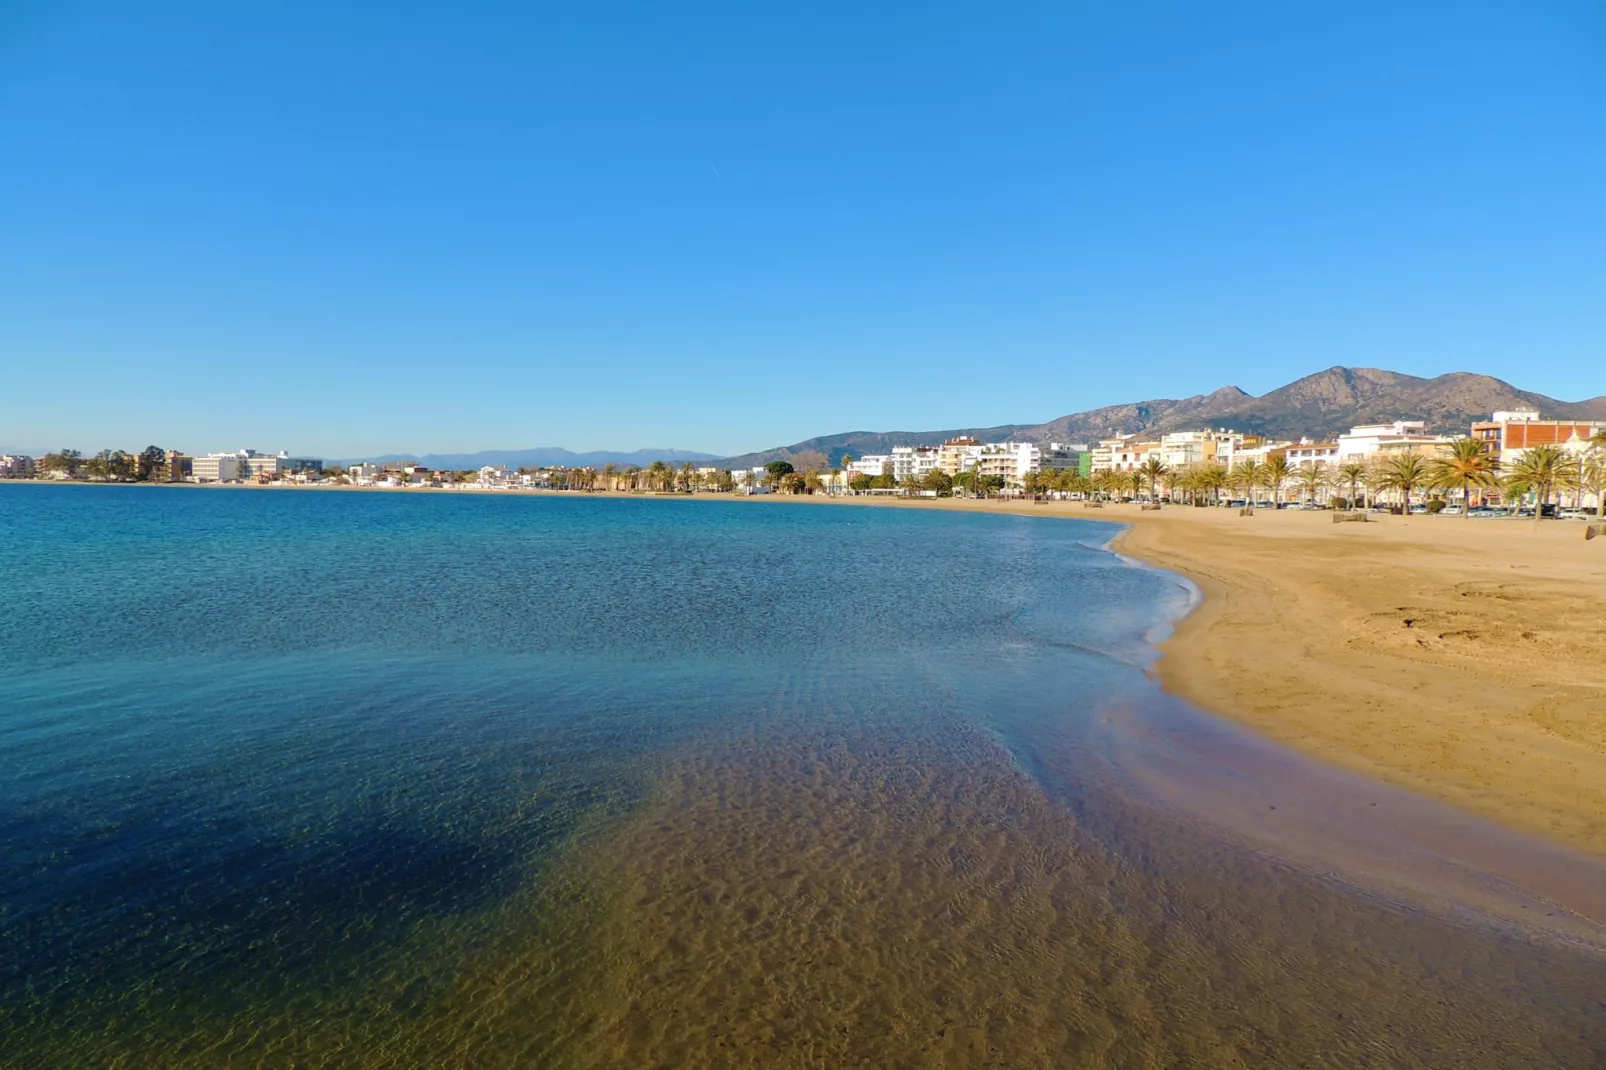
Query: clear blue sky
(352, 228)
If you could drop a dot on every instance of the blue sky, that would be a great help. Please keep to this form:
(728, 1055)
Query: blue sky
(354, 228)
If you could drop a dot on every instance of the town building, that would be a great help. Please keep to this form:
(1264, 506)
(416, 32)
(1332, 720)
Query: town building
(1010, 461)
(1361, 443)
(958, 455)
(16, 466)
(913, 463)
(1511, 433)
(872, 465)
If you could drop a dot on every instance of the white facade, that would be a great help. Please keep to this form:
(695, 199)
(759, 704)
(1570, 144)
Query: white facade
(1009, 460)
(871, 465)
(216, 468)
(1359, 443)
(913, 462)
(16, 466)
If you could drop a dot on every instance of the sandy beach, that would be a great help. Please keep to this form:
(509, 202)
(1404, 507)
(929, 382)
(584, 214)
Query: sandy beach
(1463, 659)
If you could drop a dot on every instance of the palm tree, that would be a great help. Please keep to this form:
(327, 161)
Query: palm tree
(1171, 479)
(1539, 471)
(1213, 479)
(1592, 478)
(1274, 473)
(1246, 475)
(1151, 471)
(1135, 480)
(1468, 463)
(1404, 472)
(1352, 475)
(1312, 478)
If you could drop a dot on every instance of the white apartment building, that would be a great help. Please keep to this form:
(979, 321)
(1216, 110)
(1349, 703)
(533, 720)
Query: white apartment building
(363, 474)
(1308, 454)
(913, 462)
(16, 466)
(1196, 449)
(1103, 459)
(216, 468)
(872, 465)
(1362, 442)
(1009, 460)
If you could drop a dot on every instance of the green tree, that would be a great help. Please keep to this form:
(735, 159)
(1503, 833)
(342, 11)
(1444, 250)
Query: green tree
(1274, 473)
(1466, 465)
(69, 461)
(1539, 471)
(777, 470)
(1151, 472)
(1311, 478)
(860, 482)
(939, 481)
(1246, 475)
(1352, 475)
(1405, 473)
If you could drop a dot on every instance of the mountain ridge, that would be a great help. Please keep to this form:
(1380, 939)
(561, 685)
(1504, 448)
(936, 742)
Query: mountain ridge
(1320, 405)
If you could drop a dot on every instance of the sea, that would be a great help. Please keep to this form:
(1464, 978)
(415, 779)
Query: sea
(318, 779)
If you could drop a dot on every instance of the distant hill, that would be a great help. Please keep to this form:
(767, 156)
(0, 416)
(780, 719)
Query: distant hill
(1321, 405)
(540, 457)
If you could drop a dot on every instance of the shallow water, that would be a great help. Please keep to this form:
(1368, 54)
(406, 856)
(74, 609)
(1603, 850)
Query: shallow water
(380, 780)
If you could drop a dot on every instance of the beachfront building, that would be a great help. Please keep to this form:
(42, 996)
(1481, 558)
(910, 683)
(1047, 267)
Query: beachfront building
(1010, 461)
(958, 455)
(913, 463)
(216, 468)
(494, 475)
(363, 474)
(1308, 454)
(1103, 454)
(16, 466)
(872, 465)
(1063, 457)
(1361, 443)
(1511, 433)
(1132, 455)
(1197, 449)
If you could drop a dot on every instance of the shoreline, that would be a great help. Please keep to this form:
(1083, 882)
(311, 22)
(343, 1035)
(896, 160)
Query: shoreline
(1464, 660)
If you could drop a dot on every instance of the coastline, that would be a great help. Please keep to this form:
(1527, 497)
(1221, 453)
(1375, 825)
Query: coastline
(1464, 660)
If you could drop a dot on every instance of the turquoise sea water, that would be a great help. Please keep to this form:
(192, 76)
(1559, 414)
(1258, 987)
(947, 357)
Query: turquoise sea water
(273, 760)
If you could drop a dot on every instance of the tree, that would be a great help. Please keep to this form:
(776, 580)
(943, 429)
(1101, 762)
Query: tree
(939, 481)
(989, 484)
(1151, 471)
(1352, 475)
(1311, 478)
(150, 464)
(1273, 474)
(1592, 478)
(1246, 475)
(966, 481)
(69, 461)
(777, 470)
(792, 483)
(860, 482)
(1406, 473)
(1539, 471)
(1467, 464)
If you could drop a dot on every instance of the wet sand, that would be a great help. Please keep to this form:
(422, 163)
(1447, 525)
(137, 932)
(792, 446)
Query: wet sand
(1462, 659)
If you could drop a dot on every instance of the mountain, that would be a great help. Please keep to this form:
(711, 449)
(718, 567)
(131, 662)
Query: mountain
(541, 457)
(1321, 406)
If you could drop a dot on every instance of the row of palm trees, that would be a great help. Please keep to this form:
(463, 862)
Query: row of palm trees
(1467, 467)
